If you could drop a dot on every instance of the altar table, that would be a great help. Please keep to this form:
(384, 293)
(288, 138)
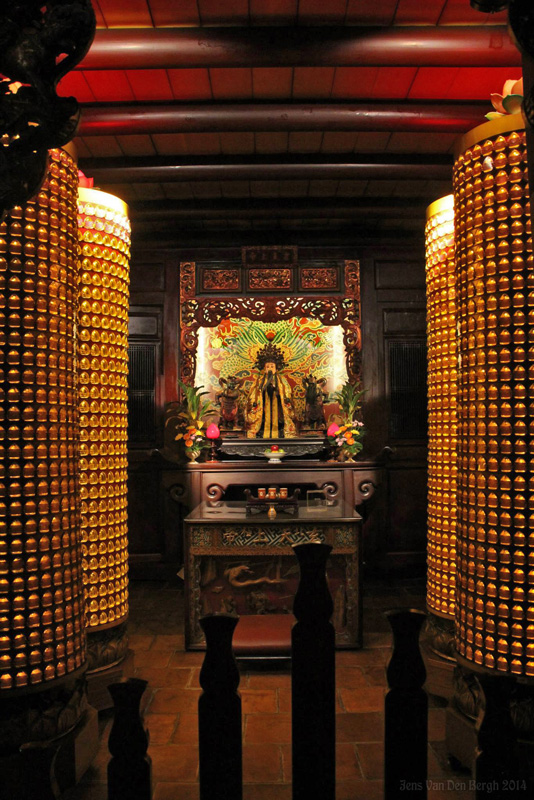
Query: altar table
(244, 564)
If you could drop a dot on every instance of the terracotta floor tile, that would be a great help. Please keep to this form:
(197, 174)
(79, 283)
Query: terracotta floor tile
(350, 677)
(284, 700)
(371, 756)
(376, 621)
(139, 641)
(378, 639)
(262, 763)
(269, 680)
(371, 698)
(272, 791)
(160, 727)
(365, 727)
(167, 701)
(157, 626)
(362, 658)
(255, 701)
(287, 762)
(160, 677)
(176, 791)
(174, 762)
(169, 641)
(186, 731)
(274, 728)
(347, 764)
(376, 676)
(186, 659)
(194, 679)
(360, 790)
(151, 658)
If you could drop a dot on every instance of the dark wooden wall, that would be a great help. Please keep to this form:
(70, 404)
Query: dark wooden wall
(394, 356)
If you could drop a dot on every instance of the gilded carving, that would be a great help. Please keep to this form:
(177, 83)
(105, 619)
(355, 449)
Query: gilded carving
(43, 715)
(202, 536)
(210, 312)
(106, 647)
(254, 536)
(260, 279)
(220, 280)
(187, 280)
(319, 278)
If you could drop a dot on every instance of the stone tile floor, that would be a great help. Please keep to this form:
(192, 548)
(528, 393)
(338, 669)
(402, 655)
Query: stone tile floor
(170, 704)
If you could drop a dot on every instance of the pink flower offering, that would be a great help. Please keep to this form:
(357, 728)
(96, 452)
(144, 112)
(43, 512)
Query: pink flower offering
(332, 429)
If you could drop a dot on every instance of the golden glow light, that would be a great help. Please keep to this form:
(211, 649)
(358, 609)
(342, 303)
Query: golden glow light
(442, 407)
(104, 232)
(495, 298)
(41, 611)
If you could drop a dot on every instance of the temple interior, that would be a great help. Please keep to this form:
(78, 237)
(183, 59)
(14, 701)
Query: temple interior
(274, 286)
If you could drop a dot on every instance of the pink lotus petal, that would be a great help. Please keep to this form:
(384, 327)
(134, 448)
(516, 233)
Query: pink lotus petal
(496, 102)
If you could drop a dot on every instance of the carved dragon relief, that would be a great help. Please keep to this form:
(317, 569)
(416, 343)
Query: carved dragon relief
(40, 42)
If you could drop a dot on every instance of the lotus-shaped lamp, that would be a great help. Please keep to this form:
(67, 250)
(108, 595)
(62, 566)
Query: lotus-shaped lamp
(509, 102)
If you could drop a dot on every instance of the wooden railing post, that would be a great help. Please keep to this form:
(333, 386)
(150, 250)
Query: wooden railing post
(219, 714)
(406, 710)
(499, 772)
(129, 771)
(313, 679)
(38, 780)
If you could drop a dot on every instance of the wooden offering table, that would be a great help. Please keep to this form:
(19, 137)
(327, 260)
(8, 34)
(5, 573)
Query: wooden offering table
(244, 564)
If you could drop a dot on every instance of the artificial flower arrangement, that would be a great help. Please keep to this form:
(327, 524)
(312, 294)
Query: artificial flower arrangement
(345, 440)
(193, 414)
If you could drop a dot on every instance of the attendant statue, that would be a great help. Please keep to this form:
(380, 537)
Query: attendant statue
(228, 400)
(269, 412)
(314, 401)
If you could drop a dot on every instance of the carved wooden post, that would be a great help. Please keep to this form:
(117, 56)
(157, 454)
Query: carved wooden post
(37, 771)
(406, 710)
(219, 714)
(313, 679)
(498, 770)
(129, 771)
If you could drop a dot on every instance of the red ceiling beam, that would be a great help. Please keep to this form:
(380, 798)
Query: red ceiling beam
(165, 48)
(374, 117)
(244, 172)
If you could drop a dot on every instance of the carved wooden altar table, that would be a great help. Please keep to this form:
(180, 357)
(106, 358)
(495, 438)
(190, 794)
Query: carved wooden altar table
(245, 565)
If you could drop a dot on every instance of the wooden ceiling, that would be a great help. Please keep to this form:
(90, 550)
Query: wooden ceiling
(229, 122)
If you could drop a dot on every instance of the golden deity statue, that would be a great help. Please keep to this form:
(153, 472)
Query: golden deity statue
(269, 412)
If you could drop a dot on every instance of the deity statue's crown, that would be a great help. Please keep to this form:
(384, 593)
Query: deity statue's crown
(270, 352)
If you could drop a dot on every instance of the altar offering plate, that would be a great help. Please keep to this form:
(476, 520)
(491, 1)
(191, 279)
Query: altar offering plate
(274, 453)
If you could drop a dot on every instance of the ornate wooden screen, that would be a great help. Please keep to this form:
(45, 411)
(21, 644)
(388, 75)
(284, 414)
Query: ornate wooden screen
(329, 293)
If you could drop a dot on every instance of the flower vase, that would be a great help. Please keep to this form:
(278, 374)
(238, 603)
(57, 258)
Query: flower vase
(192, 454)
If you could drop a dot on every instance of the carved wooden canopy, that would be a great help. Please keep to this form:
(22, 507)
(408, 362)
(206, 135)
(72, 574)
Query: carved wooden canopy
(329, 293)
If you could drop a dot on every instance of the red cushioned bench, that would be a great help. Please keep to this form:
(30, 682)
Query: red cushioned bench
(263, 636)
